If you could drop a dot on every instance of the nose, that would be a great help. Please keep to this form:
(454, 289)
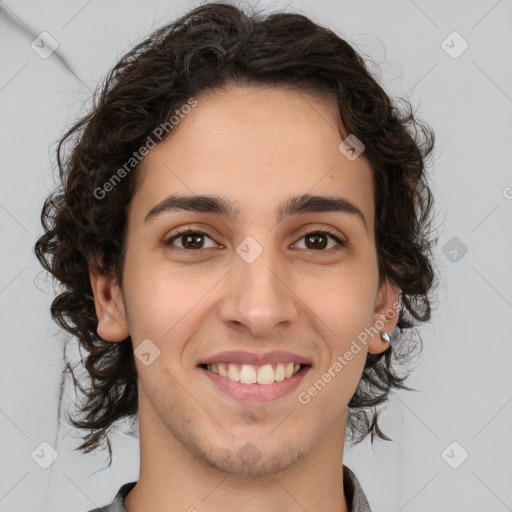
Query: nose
(259, 297)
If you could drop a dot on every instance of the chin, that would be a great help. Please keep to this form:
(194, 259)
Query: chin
(252, 460)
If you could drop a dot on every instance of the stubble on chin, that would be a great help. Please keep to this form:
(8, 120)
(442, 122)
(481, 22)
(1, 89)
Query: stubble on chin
(242, 455)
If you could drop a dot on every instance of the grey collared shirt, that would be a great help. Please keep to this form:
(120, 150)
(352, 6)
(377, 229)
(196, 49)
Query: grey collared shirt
(355, 496)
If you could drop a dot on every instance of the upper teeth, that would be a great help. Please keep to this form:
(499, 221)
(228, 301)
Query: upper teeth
(249, 374)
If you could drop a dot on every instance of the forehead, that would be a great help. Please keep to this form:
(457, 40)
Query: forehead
(255, 145)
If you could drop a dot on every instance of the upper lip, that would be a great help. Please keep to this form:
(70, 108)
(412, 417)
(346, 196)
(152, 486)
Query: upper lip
(241, 357)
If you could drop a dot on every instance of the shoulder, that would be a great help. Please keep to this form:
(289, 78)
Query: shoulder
(117, 504)
(354, 494)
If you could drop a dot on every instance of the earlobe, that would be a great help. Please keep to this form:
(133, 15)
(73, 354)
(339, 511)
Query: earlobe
(110, 308)
(385, 317)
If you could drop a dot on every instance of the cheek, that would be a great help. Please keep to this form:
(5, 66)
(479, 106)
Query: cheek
(344, 302)
(344, 314)
(164, 301)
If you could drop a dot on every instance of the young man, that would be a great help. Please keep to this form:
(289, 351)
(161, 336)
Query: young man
(243, 223)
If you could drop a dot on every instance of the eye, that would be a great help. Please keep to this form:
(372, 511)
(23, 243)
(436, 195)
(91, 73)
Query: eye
(193, 240)
(317, 240)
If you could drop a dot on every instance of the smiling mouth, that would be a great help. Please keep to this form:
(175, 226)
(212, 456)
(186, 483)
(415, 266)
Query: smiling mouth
(251, 374)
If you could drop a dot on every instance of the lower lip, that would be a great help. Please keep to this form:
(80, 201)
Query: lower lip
(257, 392)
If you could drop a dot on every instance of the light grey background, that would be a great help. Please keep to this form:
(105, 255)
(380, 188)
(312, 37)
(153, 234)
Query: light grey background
(463, 376)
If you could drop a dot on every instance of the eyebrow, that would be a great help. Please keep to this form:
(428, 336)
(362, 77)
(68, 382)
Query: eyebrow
(212, 204)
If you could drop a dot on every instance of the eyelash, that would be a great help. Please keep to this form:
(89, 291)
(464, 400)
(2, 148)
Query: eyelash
(197, 232)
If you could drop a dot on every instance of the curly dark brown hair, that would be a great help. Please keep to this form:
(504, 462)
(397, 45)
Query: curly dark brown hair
(210, 47)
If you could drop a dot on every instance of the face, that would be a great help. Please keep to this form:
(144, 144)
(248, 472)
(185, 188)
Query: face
(249, 285)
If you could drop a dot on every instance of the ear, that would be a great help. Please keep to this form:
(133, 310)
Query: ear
(109, 305)
(385, 316)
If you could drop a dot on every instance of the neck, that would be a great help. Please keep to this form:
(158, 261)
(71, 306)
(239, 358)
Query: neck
(173, 478)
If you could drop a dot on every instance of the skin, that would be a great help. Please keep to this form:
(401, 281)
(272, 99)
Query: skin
(255, 146)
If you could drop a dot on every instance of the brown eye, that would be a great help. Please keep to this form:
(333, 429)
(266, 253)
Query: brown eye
(191, 240)
(318, 240)
(194, 241)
